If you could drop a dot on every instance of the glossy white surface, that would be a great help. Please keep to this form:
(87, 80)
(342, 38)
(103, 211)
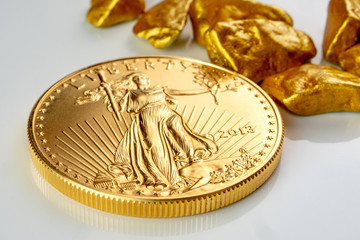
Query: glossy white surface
(314, 193)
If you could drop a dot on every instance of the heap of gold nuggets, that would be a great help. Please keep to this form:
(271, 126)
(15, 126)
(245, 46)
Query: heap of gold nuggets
(258, 41)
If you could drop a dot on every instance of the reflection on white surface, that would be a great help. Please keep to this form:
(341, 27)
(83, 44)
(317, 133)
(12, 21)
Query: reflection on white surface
(124, 224)
(147, 226)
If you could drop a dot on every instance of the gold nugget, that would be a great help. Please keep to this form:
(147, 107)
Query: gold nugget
(258, 48)
(206, 13)
(342, 28)
(162, 24)
(105, 13)
(314, 89)
(350, 60)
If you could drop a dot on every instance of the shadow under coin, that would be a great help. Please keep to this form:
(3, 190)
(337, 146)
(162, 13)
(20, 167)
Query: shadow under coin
(323, 128)
(152, 226)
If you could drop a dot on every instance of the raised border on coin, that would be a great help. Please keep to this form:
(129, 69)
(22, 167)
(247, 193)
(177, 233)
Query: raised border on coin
(139, 206)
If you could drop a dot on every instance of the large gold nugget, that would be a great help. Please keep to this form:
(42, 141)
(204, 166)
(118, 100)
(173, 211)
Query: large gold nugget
(105, 13)
(206, 13)
(342, 28)
(258, 48)
(350, 60)
(314, 89)
(162, 24)
(155, 136)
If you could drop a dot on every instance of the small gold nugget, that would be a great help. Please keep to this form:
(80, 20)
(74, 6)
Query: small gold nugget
(314, 89)
(342, 28)
(162, 24)
(258, 48)
(350, 60)
(105, 13)
(206, 13)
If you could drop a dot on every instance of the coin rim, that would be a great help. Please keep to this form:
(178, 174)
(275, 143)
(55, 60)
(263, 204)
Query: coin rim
(156, 206)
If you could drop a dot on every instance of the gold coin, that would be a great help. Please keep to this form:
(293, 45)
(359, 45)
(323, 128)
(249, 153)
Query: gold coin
(155, 136)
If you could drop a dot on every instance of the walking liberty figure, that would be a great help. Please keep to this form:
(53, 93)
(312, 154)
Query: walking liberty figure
(158, 149)
(158, 142)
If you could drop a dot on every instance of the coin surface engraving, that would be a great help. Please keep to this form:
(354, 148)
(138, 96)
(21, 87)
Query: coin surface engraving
(155, 136)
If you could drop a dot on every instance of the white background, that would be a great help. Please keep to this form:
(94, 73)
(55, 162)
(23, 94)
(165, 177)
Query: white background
(313, 194)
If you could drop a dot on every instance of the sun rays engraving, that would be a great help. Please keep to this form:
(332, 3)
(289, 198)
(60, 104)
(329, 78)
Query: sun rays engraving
(106, 150)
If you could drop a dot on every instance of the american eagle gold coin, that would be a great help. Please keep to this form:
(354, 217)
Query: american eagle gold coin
(155, 136)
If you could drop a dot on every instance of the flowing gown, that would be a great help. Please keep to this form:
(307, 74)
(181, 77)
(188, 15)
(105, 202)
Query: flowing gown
(157, 138)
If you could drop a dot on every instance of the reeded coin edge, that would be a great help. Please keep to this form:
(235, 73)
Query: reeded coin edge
(152, 208)
(183, 206)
